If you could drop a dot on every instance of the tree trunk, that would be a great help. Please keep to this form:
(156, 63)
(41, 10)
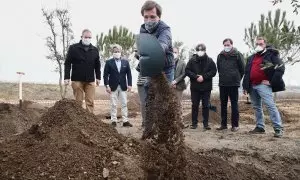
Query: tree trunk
(62, 88)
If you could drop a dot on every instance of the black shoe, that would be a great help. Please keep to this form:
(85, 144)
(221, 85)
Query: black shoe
(278, 133)
(207, 128)
(127, 124)
(257, 130)
(193, 127)
(222, 128)
(114, 124)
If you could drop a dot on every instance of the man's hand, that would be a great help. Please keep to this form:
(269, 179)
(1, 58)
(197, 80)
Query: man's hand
(174, 82)
(200, 79)
(108, 90)
(67, 81)
(245, 92)
(97, 82)
(129, 88)
(174, 86)
(266, 82)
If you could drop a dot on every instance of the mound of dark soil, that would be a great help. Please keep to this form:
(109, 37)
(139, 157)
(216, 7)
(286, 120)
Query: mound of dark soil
(15, 120)
(69, 143)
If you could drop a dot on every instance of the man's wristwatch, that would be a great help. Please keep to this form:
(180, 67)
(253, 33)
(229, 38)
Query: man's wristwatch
(107, 86)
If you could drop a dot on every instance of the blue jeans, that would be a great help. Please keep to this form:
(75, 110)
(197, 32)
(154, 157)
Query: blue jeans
(263, 93)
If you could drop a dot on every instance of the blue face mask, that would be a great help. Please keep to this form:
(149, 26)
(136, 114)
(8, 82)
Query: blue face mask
(150, 25)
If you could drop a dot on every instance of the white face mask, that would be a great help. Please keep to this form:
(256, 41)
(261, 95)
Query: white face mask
(227, 48)
(117, 55)
(86, 41)
(201, 53)
(259, 49)
(175, 55)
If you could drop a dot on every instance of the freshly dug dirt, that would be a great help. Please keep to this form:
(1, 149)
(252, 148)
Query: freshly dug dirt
(15, 120)
(204, 167)
(69, 143)
(164, 156)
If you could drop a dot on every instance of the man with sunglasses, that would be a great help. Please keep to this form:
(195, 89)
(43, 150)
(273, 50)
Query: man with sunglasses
(83, 59)
(263, 75)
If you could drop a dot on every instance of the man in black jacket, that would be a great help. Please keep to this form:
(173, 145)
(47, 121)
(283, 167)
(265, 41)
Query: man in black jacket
(84, 60)
(263, 75)
(200, 69)
(231, 70)
(115, 72)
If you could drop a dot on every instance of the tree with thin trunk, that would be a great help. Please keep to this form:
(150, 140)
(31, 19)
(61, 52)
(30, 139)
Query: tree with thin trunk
(117, 35)
(279, 32)
(295, 4)
(59, 40)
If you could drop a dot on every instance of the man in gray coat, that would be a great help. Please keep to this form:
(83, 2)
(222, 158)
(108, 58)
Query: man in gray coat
(179, 83)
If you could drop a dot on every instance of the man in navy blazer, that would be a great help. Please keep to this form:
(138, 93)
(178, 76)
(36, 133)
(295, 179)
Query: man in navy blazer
(118, 80)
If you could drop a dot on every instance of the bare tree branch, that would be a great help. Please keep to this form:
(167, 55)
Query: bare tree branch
(54, 46)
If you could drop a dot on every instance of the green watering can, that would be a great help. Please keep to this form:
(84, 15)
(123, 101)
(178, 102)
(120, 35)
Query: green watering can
(152, 56)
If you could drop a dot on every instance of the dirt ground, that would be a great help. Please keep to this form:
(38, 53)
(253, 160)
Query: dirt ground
(15, 120)
(66, 142)
(280, 158)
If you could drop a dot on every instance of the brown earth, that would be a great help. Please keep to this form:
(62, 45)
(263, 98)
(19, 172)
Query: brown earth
(163, 157)
(67, 142)
(70, 143)
(15, 120)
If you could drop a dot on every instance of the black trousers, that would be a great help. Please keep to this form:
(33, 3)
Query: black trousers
(198, 96)
(233, 93)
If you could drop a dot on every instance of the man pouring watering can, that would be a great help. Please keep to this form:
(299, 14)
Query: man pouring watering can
(154, 45)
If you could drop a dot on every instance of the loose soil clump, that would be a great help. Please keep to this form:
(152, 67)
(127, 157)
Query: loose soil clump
(15, 120)
(69, 143)
(164, 156)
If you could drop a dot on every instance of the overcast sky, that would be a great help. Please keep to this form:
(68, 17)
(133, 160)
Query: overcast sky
(192, 21)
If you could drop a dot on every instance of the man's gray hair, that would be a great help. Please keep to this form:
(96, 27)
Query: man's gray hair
(116, 46)
(85, 30)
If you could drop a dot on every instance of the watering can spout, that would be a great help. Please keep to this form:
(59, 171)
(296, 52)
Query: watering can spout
(152, 56)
